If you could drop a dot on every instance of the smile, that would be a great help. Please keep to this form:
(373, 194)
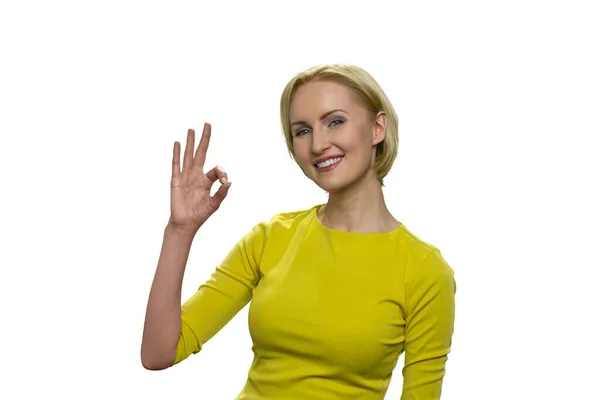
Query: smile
(329, 165)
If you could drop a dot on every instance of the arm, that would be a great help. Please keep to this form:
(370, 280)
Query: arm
(429, 328)
(173, 331)
(223, 295)
(163, 313)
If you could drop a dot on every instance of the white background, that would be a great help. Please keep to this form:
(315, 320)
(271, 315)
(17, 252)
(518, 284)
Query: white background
(499, 107)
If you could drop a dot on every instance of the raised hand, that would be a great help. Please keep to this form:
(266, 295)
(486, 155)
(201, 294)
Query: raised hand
(191, 202)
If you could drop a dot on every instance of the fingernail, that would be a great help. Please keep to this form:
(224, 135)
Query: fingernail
(223, 180)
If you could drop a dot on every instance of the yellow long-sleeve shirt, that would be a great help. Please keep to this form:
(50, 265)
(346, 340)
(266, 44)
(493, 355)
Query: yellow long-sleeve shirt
(331, 311)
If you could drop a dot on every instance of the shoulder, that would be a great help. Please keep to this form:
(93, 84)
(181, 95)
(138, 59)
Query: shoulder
(271, 236)
(426, 260)
(417, 248)
(286, 221)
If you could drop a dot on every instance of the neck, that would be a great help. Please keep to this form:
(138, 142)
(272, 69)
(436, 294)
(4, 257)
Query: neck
(359, 209)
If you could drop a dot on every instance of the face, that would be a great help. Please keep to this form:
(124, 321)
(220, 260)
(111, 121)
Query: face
(329, 121)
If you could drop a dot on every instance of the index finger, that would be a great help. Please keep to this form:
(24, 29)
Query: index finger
(200, 156)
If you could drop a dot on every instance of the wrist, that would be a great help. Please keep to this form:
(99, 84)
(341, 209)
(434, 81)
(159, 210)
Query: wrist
(180, 230)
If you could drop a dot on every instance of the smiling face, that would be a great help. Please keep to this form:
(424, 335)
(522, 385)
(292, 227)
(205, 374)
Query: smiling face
(329, 120)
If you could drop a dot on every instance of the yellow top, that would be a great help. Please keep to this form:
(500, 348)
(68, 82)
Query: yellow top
(331, 311)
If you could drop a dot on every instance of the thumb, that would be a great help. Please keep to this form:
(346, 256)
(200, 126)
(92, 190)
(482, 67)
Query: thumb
(220, 195)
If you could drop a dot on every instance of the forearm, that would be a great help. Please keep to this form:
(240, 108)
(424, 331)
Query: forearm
(163, 314)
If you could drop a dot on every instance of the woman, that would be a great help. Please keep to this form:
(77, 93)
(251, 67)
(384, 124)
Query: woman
(339, 290)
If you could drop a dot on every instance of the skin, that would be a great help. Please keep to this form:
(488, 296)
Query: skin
(356, 202)
(191, 206)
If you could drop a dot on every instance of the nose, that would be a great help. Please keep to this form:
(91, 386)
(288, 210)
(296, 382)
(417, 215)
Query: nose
(320, 141)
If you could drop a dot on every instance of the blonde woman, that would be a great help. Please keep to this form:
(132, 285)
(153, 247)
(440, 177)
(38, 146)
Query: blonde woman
(338, 291)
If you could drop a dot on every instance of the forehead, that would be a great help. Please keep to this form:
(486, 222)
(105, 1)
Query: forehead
(315, 98)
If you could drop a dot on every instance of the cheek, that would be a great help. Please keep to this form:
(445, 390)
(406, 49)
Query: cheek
(357, 139)
(301, 150)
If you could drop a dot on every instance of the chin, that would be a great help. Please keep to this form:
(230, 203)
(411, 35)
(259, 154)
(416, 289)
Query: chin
(332, 185)
(340, 182)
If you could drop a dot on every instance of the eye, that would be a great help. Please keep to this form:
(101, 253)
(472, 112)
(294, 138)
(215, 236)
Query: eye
(299, 133)
(336, 122)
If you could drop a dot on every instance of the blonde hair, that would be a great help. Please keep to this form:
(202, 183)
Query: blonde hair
(369, 92)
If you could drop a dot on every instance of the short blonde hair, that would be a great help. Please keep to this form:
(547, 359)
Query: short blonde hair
(369, 92)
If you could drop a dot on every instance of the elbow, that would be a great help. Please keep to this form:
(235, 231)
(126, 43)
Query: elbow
(154, 366)
(155, 362)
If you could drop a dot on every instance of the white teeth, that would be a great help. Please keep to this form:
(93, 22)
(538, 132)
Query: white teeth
(328, 162)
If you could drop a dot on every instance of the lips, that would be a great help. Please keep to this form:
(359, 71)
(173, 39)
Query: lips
(329, 167)
(322, 159)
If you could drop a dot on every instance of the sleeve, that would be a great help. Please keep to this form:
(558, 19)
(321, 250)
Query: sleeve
(218, 300)
(429, 328)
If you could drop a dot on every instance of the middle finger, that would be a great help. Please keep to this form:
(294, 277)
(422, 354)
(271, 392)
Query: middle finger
(200, 156)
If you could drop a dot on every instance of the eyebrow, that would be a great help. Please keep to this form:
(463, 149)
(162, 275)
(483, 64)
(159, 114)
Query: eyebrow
(327, 114)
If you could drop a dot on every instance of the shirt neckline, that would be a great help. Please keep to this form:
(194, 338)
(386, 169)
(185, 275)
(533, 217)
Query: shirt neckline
(345, 234)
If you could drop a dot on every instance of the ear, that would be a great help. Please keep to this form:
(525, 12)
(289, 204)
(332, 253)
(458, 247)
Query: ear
(379, 128)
